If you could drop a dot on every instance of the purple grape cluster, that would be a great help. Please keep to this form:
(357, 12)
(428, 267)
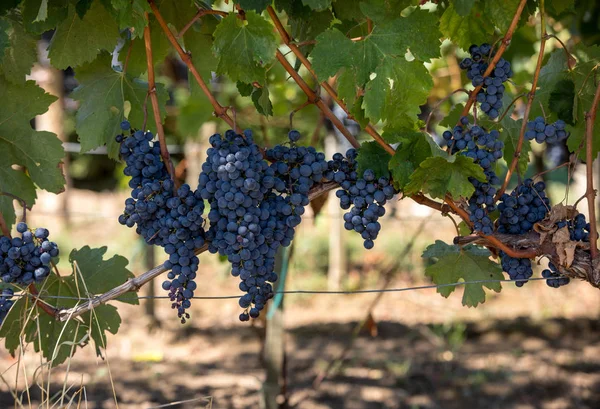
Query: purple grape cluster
(526, 205)
(485, 149)
(542, 132)
(365, 196)
(163, 216)
(490, 97)
(26, 259)
(554, 278)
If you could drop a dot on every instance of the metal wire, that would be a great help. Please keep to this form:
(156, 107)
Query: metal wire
(315, 292)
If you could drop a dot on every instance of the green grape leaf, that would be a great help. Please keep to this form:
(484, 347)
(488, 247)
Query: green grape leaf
(137, 65)
(463, 7)
(13, 323)
(348, 10)
(438, 176)
(97, 274)
(397, 91)
(101, 319)
(382, 10)
(82, 7)
(256, 5)
(4, 39)
(244, 48)
(57, 11)
(59, 339)
(20, 55)
(510, 137)
(262, 103)
(194, 110)
(317, 5)
(554, 71)
(130, 14)
(372, 156)
(413, 149)
(561, 100)
(102, 94)
(468, 30)
(453, 117)
(39, 151)
(77, 41)
(199, 43)
(454, 264)
(346, 87)
(501, 12)
(333, 51)
(18, 183)
(423, 44)
(556, 7)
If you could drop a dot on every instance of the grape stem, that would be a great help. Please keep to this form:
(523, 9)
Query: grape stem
(590, 193)
(164, 152)
(287, 40)
(505, 42)
(220, 111)
(530, 98)
(47, 308)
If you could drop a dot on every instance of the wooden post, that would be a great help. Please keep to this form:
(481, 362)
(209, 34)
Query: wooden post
(150, 304)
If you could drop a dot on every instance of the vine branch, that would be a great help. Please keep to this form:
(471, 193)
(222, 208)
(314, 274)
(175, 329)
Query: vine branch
(220, 111)
(201, 13)
(505, 42)
(164, 152)
(590, 193)
(530, 98)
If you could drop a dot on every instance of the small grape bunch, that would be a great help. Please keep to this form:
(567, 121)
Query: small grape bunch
(553, 278)
(490, 98)
(542, 132)
(26, 259)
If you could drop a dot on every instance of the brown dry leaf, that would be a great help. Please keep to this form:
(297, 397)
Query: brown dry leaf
(562, 238)
(570, 253)
(562, 212)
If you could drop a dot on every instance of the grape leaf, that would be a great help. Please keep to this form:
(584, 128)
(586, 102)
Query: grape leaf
(58, 338)
(423, 44)
(412, 150)
(98, 274)
(199, 43)
(262, 103)
(103, 318)
(437, 176)
(57, 11)
(348, 10)
(13, 323)
(372, 156)
(510, 137)
(556, 7)
(382, 10)
(463, 7)
(468, 30)
(18, 183)
(317, 5)
(161, 47)
(194, 111)
(501, 12)
(257, 5)
(130, 14)
(561, 100)
(333, 51)
(39, 151)
(397, 91)
(20, 54)
(77, 41)
(346, 87)
(102, 94)
(455, 264)
(82, 7)
(244, 48)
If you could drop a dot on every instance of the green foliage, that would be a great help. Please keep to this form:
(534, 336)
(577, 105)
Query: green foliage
(469, 29)
(255, 5)
(244, 48)
(130, 14)
(454, 264)
(54, 12)
(78, 40)
(438, 176)
(102, 95)
(19, 52)
(413, 149)
(372, 156)
(510, 137)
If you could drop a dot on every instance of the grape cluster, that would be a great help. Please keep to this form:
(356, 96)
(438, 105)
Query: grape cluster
(554, 278)
(526, 205)
(542, 132)
(365, 196)
(235, 180)
(485, 149)
(5, 303)
(490, 97)
(28, 258)
(163, 216)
